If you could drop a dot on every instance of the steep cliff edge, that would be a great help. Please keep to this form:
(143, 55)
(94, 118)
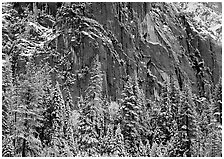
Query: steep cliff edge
(158, 41)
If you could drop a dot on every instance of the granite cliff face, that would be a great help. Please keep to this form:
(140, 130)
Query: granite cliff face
(153, 39)
(156, 40)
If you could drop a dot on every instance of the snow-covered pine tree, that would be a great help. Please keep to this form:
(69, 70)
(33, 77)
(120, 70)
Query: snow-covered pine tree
(173, 105)
(130, 124)
(112, 144)
(203, 119)
(91, 118)
(45, 130)
(167, 116)
(119, 147)
(106, 142)
(212, 143)
(164, 117)
(208, 140)
(6, 103)
(187, 126)
(58, 142)
(68, 129)
(28, 111)
(144, 124)
(174, 145)
(7, 145)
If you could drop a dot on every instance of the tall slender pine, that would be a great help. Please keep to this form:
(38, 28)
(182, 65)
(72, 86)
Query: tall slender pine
(91, 118)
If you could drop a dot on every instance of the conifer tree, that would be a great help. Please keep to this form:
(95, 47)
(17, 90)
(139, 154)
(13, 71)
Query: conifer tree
(7, 145)
(187, 126)
(130, 109)
(167, 116)
(29, 91)
(213, 142)
(203, 119)
(144, 128)
(68, 129)
(208, 141)
(183, 127)
(106, 142)
(7, 88)
(212, 131)
(91, 118)
(58, 142)
(45, 130)
(119, 147)
(175, 143)
(164, 117)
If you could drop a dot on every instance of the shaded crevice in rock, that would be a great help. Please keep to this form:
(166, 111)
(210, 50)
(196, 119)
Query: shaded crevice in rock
(200, 53)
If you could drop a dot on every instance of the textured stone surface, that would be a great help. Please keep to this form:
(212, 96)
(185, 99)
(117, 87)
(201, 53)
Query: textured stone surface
(152, 38)
(142, 31)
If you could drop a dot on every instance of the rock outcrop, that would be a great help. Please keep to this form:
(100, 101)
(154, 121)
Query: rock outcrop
(155, 40)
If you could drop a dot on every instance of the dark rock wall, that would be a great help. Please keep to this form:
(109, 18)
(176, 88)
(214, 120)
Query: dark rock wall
(153, 39)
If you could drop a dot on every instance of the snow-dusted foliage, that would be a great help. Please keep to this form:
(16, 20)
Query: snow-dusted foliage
(120, 80)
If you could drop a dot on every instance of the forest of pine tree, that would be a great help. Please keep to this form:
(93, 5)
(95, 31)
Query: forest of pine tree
(41, 119)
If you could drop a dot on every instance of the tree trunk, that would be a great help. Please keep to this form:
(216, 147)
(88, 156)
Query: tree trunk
(24, 140)
(188, 154)
(24, 148)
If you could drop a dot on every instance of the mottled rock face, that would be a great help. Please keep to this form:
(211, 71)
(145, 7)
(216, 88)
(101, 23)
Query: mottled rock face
(154, 40)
